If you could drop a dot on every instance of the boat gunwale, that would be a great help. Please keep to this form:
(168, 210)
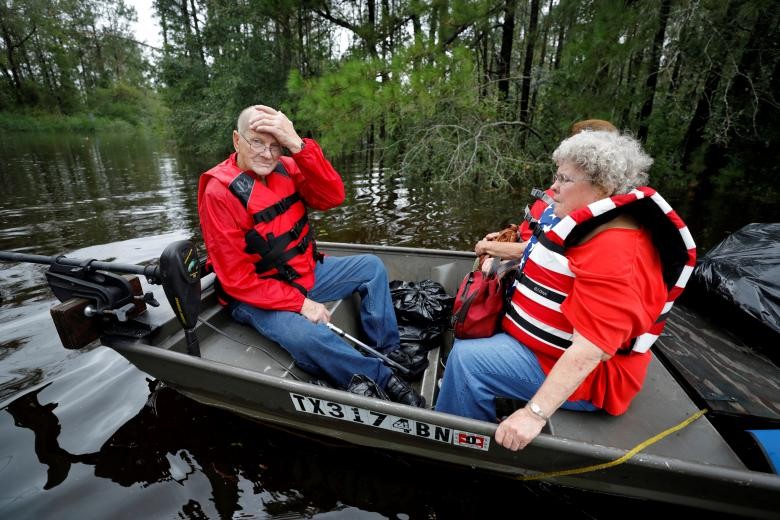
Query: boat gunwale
(543, 441)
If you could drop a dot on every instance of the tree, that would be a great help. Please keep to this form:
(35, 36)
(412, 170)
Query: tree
(652, 74)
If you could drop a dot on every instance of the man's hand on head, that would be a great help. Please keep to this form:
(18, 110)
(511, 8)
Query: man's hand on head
(270, 121)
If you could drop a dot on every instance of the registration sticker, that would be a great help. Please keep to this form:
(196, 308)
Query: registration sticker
(355, 414)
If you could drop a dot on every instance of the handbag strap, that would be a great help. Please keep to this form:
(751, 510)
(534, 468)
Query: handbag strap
(499, 268)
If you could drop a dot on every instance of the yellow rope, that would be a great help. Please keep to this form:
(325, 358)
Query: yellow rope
(636, 449)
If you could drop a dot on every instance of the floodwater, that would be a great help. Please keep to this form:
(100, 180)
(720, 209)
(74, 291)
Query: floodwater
(84, 434)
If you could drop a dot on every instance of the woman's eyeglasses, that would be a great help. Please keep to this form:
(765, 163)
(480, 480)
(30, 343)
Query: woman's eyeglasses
(563, 179)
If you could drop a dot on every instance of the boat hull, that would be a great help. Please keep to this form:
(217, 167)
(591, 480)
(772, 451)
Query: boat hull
(693, 466)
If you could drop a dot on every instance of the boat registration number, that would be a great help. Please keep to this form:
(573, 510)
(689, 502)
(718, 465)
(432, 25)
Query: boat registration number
(373, 418)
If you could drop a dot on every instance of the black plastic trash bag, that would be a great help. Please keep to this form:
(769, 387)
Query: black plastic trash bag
(424, 335)
(419, 303)
(744, 271)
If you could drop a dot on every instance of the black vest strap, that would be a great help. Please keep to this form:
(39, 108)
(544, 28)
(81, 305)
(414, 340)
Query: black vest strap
(536, 331)
(276, 209)
(244, 183)
(276, 252)
(273, 250)
(540, 290)
(282, 278)
(549, 244)
(242, 187)
(532, 222)
(279, 168)
(541, 195)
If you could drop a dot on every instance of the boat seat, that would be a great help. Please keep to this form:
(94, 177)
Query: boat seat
(266, 356)
(249, 349)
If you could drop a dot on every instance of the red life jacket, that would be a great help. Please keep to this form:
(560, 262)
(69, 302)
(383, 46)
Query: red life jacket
(533, 314)
(282, 237)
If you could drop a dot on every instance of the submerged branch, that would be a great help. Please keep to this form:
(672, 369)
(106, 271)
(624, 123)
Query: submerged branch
(486, 154)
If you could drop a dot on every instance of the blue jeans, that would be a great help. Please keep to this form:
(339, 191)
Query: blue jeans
(479, 370)
(314, 347)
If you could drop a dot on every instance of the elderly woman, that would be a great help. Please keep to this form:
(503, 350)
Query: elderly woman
(500, 244)
(585, 308)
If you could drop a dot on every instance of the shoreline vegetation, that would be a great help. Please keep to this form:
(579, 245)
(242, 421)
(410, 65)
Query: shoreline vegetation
(85, 122)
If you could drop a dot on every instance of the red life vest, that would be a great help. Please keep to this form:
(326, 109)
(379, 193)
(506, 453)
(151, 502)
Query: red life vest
(282, 237)
(533, 314)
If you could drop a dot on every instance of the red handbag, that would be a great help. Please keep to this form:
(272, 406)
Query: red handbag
(479, 303)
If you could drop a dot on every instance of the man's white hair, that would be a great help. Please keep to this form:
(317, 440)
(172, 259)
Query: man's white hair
(613, 161)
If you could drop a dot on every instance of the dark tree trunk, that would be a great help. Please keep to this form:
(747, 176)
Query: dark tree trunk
(559, 45)
(634, 64)
(370, 31)
(505, 54)
(652, 75)
(542, 57)
(694, 135)
(198, 40)
(525, 94)
(15, 73)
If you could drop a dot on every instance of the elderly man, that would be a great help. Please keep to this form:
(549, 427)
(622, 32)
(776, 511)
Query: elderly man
(253, 215)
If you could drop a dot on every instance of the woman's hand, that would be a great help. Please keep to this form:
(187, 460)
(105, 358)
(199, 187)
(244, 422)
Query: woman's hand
(505, 250)
(481, 247)
(270, 121)
(568, 373)
(486, 265)
(492, 236)
(519, 429)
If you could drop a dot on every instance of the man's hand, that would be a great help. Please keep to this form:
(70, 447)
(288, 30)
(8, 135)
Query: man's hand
(492, 236)
(315, 312)
(270, 121)
(516, 431)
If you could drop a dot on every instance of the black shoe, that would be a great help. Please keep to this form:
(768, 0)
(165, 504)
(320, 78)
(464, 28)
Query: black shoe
(365, 386)
(414, 349)
(416, 365)
(399, 391)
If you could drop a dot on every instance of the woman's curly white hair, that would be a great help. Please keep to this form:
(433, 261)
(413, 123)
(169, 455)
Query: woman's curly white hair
(613, 161)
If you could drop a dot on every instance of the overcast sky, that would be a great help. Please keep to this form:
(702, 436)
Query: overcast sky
(147, 30)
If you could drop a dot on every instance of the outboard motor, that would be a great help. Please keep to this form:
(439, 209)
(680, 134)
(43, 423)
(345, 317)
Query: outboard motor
(180, 277)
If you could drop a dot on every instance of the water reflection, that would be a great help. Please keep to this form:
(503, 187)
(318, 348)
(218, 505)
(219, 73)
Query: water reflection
(65, 192)
(20, 379)
(250, 469)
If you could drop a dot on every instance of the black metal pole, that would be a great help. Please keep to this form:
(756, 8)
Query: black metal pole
(151, 272)
(368, 349)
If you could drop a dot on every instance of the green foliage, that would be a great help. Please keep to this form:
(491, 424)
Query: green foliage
(417, 84)
(74, 58)
(121, 101)
(339, 107)
(436, 125)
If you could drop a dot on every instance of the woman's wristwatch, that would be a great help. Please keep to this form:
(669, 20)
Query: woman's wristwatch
(537, 411)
